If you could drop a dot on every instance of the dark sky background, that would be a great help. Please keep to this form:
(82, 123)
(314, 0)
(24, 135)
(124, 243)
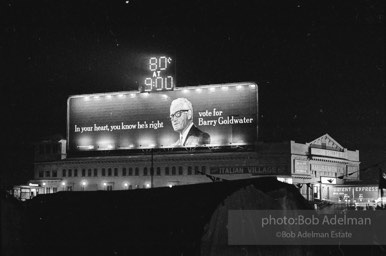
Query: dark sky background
(319, 65)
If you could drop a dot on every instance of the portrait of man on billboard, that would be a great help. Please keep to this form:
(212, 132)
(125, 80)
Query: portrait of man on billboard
(181, 117)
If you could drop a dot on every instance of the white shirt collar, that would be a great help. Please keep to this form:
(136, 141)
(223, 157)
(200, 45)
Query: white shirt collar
(185, 133)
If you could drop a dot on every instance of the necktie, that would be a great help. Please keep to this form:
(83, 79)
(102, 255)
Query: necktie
(181, 140)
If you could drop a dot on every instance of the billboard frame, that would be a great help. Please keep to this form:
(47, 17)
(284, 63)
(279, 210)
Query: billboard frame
(197, 148)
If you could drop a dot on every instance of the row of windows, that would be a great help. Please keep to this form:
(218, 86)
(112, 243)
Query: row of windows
(109, 172)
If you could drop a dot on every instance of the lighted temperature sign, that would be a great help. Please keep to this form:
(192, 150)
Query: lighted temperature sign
(161, 74)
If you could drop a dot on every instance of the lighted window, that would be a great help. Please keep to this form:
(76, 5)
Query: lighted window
(95, 172)
(123, 171)
(64, 172)
(180, 170)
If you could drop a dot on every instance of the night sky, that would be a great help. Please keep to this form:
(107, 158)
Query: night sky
(319, 65)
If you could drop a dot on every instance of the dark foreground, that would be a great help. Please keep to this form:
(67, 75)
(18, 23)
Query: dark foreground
(184, 220)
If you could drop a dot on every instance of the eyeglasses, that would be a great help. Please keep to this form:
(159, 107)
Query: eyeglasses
(178, 113)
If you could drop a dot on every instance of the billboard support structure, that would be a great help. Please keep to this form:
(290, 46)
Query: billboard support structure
(152, 169)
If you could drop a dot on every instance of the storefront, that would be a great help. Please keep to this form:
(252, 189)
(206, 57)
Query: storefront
(352, 193)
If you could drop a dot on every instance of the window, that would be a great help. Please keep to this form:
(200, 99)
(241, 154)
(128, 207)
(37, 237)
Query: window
(130, 171)
(203, 169)
(69, 188)
(54, 173)
(144, 171)
(83, 172)
(103, 172)
(123, 171)
(95, 172)
(158, 170)
(54, 189)
(189, 170)
(69, 172)
(41, 174)
(180, 170)
(196, 170)
(167, 170)
(109, 172)
(136, 171)
(75, 172)
(173, 170)
(64, 172)
(48, 174)
(115, 171)
(89, 172)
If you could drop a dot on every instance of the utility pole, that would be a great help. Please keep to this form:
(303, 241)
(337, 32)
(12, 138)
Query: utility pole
(152, 169)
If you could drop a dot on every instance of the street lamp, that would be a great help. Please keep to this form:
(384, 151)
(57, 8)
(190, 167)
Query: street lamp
(84, 183)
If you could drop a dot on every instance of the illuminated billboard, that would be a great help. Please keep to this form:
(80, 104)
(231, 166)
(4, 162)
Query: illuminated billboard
(200, 116)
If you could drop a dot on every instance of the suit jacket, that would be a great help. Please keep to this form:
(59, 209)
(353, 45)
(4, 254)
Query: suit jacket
(195, 137)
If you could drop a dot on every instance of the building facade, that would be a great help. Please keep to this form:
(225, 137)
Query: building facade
(313, 167)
